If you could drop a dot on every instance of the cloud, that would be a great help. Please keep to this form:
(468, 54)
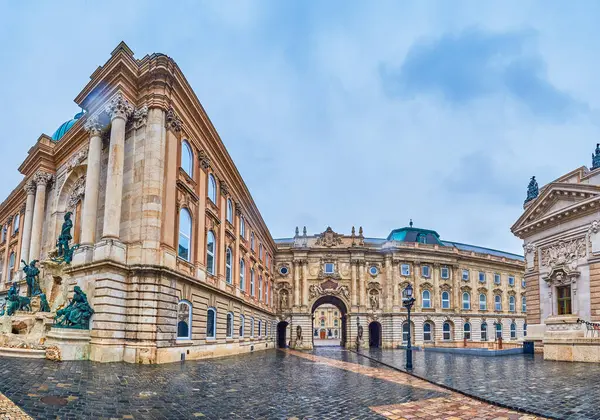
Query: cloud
(474, 63)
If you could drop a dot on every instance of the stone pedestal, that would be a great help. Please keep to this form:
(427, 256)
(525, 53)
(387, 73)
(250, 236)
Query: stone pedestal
(110, 249)
(565, 340)
(73, 344)
(83, 255)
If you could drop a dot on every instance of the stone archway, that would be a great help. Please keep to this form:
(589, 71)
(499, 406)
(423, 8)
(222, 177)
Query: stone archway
(282, 334)
(375, 335)
(341, 306)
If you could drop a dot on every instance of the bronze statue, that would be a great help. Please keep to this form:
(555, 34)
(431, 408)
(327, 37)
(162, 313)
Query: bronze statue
(64, 252)
(77, 314)
(31, 277)
(16, 302)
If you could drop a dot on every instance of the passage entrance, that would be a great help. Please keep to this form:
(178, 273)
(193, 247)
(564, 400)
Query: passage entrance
(281, 334)
(329, 318)
(375, 335)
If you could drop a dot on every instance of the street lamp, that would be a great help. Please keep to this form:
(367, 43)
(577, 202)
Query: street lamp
(408, 301)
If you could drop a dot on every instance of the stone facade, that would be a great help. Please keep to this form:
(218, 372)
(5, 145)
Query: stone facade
(327, 323)
(365, 277)
(561, 231)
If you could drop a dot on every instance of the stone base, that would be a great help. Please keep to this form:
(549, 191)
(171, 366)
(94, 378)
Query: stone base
(573, 350)
(189, 352)
(83, 255)
(110, 249)
(73, 344)
(21, 352)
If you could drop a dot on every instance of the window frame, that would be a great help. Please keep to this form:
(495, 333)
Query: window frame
(214, 323)
(16, 222)
(404, 272)
(228, 266)
(182, 213)
(325, 271)
(467, 301)
(445, 292)
(444, 332)
(524, 304)
(484, 307)
(251, 327)
(212, 189)
(185, 145)
(242, 327)
(497, 278)
(425, 268)
(497, 303)
(425, 332)
(242, 227)
(482, 277)
(252, 279)
(229, 212)
(498, 330)
(424, 299)
(447, 276)
(465, 274)
(260, 288)
(467, 331)
(513, 330)
(210, 268)
(242, 284)
(512, 304)
(484, 332)
(511, 280)
(189, 321)
(229, 325)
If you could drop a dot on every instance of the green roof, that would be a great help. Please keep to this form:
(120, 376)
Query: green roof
(411, 234)
(66, 126)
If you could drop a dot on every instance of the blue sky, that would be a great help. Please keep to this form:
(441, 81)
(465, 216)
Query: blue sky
(342, 113)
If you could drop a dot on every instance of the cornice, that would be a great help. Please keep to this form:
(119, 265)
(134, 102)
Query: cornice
(39, 157)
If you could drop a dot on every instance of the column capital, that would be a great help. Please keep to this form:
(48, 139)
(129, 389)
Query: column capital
(119, 107)
(173, 121)
(224, 188)
(23, 208)
(30, 187)
(92, 125)
(42, 178)
(238, 209)
(140, 117)
(204, 159)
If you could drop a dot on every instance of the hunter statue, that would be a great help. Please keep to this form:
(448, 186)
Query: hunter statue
(14, 302)
(31, 278)
(64, 252)
(76, 314)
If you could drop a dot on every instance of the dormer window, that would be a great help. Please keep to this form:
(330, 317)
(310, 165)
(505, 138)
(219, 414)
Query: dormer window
(421, 238)
(329, 268)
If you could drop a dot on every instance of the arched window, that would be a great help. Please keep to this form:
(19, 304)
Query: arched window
(445, 300)
(229, 211)
(466, 300)
(242, 227)
(498, 330)
(16, 223)
(11, 265)
(185, 235)
(260, 295)
(427, 332)
(467, 331)
(242, 325)
(252, 282)
(513, 331)
(405, 333)
(484, 332)
(511, 303)
(259, 328)
(252, 327)
(184, 320)
(210, 252)
(482, 302)
(446, 331)
(187, 158)
(252, 241)
(229, 328)
(211, 323)
(426, 299)
(228, 273)
(498, 303)
(523, 304)
(242, 275)
(212, 188)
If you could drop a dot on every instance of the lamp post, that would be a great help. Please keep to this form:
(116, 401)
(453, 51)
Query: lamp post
(408, 301)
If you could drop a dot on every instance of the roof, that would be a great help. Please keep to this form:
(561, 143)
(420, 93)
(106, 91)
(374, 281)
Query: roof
(482, 250)
(66, 126)
(411, 234)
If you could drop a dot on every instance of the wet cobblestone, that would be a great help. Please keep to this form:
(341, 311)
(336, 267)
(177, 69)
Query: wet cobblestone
(561, 390)
(263, 385)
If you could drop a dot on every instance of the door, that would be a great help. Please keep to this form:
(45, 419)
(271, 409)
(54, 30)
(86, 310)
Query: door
(322, 334)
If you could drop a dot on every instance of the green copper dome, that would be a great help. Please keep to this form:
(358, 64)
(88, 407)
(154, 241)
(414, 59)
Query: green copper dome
(66, 126)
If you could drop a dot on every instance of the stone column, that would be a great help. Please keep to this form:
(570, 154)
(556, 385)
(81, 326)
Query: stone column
(29, 203)
(361, 284)
(297, 268)
(394, 286)
(41, 179)
(353, 283)
(304, 282)
(386, 283)
(7, 248)
(119, 110)
(92, 182)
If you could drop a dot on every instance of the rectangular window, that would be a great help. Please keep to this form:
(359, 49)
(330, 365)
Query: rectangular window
(465, 275)
(425, 271)
(497, 278)
(329, 268)
(405, 270)
(523, 283)
(563, 294)
(445, 273)
(511, 280)
(481, 277)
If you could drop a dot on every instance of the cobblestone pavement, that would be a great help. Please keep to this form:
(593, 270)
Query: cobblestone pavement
(452, 406)
(8, 410)
(562, 390)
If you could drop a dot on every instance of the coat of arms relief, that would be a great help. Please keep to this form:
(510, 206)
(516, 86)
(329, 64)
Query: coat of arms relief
(562, 259)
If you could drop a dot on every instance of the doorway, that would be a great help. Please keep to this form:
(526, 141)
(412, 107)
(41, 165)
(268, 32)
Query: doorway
(329, 315)
(281, 335)
(374, 335)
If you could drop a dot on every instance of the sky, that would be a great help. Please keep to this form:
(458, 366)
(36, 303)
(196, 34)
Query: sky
(341, 113)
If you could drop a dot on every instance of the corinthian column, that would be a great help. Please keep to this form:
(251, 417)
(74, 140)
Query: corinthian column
(119, 110)
(41, 179)
(297, 268)
(29, 203)
(89, 212)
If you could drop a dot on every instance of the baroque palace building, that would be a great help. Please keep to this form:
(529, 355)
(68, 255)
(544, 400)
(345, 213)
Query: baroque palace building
(560, 227)
(177, 262)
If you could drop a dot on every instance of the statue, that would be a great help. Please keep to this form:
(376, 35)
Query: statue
(297, 231)
(77, 314)
(31, 277)
(64, 252)
(360, 332)
(44, 305)
(532, 190)
(298, 334)
(283, 303)
(374, 301)
(16, 302)
(596, 157)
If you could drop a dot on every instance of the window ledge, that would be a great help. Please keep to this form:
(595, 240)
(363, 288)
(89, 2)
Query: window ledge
(184, 342)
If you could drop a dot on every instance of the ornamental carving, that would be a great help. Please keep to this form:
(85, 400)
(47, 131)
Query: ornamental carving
(76, 159)
(140, 117)
(465, 289)
(173, 121)
(374, 299)
(330, 288)
(373, 285)
(426, 286)
(238, 209)
(30, 187)
(224, 188)
(329, 238)
(445, 287)
(204, 159)
(77, 192)
(564, 253)
(323, 275)
(119, 107)
(92, 125)
(482, 290)
(528, 249)
(42, 178)
(594, 227)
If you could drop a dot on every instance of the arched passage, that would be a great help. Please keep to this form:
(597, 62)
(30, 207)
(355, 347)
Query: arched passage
(375, 335)
(343, 315)
(281, 334)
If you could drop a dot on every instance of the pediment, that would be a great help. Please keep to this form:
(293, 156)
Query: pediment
(558, 201)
